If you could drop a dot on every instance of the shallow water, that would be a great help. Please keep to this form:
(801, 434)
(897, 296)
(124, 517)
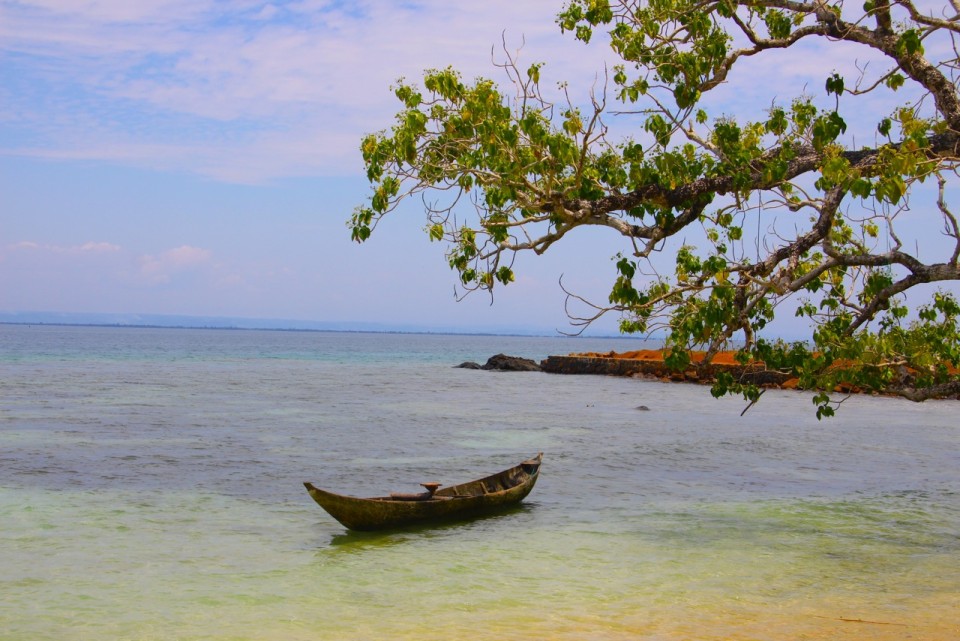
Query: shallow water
(150, 488)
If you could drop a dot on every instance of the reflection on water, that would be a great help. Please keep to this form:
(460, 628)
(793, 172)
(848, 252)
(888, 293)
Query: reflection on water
(351, 541)
(150, 488)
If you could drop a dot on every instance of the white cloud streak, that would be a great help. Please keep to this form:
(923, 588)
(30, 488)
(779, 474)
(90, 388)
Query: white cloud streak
(85, 248)
(161, 268)
(241, 91)
(248, 91)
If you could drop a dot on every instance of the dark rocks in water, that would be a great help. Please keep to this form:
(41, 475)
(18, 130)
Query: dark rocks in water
(504, 363)
(643, 408)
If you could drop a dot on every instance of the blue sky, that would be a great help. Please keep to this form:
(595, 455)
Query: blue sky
(199, 157)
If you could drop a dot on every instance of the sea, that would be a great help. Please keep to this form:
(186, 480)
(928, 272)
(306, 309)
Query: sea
(151, 488)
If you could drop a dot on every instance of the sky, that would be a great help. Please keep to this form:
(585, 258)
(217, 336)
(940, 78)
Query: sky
(200, 157)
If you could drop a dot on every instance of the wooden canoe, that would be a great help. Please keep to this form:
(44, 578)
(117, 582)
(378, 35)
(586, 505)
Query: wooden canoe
(466, 500)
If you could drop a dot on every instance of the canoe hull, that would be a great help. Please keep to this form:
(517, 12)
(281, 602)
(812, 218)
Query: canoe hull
(483, 496)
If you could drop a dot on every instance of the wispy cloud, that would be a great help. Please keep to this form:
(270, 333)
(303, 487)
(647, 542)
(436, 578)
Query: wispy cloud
(249, 90)
(242, 91)
(184, 277)
(161, 268)
(85, 248)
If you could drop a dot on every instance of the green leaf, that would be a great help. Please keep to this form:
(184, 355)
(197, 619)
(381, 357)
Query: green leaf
(895, 81)
(627, 267)
(533, 73)
(778, 23)
(657, 126)
(835, 84)
(909, 43)
(827, 129)
(777, 123)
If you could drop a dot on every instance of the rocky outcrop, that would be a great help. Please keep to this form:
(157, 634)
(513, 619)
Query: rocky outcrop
(642, 364)
(648, 367)
(504, 363)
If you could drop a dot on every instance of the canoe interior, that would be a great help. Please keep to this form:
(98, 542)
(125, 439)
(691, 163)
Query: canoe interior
(465, 500)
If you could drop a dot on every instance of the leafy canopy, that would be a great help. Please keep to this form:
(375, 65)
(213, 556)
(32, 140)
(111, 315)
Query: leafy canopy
(533, 171)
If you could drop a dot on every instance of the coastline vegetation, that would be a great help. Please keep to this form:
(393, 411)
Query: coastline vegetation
(808, 209)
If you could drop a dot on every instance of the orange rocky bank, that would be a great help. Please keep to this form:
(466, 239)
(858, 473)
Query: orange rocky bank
(649, 363)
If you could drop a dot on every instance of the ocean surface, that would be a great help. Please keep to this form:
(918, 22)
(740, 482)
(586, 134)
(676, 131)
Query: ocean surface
(151, 488)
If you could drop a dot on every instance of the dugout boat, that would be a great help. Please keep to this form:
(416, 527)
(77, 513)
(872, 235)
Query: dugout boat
(474, 498)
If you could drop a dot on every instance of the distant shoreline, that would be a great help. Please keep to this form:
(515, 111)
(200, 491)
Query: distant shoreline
(423, 332)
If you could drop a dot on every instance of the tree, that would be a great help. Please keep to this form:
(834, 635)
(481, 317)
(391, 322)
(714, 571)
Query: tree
(824, 208)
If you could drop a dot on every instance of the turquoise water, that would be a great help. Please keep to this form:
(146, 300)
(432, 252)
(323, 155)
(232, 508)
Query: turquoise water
(150, 488)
